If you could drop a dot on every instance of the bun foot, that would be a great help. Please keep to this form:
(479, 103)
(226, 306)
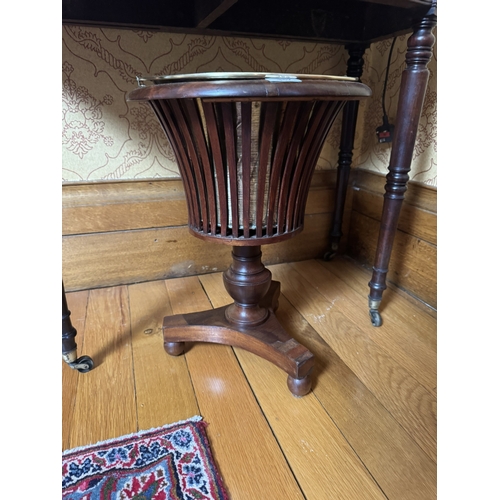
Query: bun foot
(174, 348)
(299, 386)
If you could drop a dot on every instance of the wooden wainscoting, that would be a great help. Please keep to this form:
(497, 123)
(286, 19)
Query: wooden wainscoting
(413, 265)
(130, 232)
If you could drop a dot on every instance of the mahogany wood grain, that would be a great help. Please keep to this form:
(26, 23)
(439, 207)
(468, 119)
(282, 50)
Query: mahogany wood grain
(417, 194)
(349, 119)
(293, 149)
(249, 322)
(289, 116)
(77, 304)
(200, 145)
(245, 450)
(269, 114)
(408, 401)
(246, 155)
(232, 124)
(164, 392)
(227, 90)
(166, 117)
(105, 400)
(219, 169)
(411, 98)
(229, 133)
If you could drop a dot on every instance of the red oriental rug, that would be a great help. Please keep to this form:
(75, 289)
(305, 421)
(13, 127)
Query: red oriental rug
(173, 462)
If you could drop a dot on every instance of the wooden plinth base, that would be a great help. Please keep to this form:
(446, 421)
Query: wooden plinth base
(268, 340)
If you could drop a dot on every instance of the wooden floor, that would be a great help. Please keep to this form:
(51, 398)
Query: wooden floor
(366, 431)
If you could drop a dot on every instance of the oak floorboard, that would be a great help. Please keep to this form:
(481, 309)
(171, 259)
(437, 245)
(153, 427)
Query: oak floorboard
(105, 402)
(397, 340)
(396, 304)
(248, 456)
(400, 467)
(164, 392)
(77, 305)
(321, 459)
(408, 401)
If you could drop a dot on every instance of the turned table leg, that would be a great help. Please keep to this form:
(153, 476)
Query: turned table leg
(411, 98)
(349, 118)
(82, 364)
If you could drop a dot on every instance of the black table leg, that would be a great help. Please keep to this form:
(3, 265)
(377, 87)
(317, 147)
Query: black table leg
(411, 98)
(349, 117)
(82, 364)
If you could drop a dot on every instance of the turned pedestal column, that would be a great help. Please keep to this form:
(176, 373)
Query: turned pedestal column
(246, 145)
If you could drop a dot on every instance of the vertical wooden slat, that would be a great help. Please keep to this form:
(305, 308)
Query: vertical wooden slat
(186, 133)
(215, 145)
(298, 134)
(284, 135)
(312, 129)
(246, 154)
(198, 138)
(312, 158)
(165, 113)
(268, 113)
(229, 130)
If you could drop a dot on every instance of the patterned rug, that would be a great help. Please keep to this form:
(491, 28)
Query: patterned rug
(173, 462)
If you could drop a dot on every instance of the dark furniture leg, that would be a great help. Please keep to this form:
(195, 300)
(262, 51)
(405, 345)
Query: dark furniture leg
(82, 364)
(249, 323)
(349, 117)
(411, 98)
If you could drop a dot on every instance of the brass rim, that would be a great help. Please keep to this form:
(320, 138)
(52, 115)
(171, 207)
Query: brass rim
(142, 81)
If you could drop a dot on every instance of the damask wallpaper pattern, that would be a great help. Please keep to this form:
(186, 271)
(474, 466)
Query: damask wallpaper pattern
(374, 156)
(106, 138)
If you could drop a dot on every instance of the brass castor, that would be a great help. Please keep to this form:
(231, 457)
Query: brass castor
(375, 317)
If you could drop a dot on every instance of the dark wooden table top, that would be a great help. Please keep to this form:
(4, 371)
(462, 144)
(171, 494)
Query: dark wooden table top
(338, 21)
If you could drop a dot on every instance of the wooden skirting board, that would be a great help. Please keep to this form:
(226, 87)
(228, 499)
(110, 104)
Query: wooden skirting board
(130, 232)
(413, 264)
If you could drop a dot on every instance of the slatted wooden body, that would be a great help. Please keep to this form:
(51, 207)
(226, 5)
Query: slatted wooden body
(247, 149)
(247, 146)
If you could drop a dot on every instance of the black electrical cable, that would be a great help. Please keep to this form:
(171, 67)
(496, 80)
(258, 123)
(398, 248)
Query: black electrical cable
(385, 131)
(386, 120)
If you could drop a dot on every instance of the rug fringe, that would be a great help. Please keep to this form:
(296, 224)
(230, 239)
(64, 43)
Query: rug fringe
(196, 418)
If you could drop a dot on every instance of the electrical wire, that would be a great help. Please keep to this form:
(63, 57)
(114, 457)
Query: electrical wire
(386, 120)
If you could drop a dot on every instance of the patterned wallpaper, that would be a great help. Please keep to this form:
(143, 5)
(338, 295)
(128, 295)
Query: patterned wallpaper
(372, 155)
(105, 138)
